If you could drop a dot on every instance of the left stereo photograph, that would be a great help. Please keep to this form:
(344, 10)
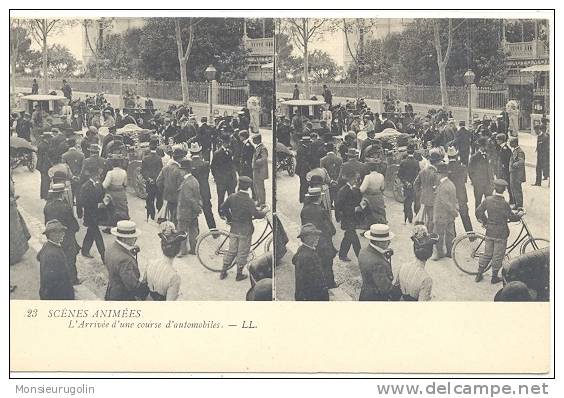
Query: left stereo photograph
(140, 151)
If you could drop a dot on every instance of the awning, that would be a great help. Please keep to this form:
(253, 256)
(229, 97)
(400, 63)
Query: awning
(537, 68)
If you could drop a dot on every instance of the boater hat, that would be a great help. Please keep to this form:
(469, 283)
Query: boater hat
(452, 151)
(379, 232)
(195, 147)
(125, 229)
(313, 191)
(56, 188)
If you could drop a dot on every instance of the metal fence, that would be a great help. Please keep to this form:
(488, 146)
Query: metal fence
(227, 94)
(485, 98)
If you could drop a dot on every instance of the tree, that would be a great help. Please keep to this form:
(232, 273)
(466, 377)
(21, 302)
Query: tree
(442, 62)
(19, 44)
(184, 53)
(115, 61)
(41, 30)
(356, 50)
(61, 61)
(303, 32)
(95, 41)
(322, 67)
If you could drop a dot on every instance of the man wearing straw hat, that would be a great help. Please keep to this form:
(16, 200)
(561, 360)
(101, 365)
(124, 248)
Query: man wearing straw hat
(121, 262)
(55, 280)
(375, 266)
(310, 280)
(58, 209)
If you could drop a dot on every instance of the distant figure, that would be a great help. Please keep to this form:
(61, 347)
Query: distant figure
(34, 87)
(327, 95)
(296, 94)
(67, 90)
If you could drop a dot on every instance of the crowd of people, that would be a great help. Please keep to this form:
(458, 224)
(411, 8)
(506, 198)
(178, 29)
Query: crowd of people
(344, 183)
(85, 177)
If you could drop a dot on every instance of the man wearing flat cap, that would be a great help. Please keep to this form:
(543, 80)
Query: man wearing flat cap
(310, 282)
(445, 212)
(55, 280)
(240, 210)
(494, 212)
(58, 209)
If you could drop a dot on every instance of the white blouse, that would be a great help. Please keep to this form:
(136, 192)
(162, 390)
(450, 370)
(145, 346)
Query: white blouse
(163, 279)
(117, 176)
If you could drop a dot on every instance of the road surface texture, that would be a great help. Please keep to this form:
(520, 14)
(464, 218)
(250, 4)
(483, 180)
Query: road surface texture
(198, 283)
(449, 283)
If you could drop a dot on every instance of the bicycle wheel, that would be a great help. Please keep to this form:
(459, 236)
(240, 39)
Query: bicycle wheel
(528, 245)
(466, 251)
(210, 250)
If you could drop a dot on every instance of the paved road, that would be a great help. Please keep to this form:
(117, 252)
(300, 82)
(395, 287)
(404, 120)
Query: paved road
(197, 282)
(450, 284)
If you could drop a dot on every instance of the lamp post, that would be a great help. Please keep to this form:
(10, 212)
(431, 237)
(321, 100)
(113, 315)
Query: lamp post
(469, 77)
(210, 73)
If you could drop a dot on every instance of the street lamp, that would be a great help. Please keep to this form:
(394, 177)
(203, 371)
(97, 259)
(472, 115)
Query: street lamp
(468, 78)
(210, 73)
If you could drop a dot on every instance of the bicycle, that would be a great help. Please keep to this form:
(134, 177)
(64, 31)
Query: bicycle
(214, 244)
(468, 247)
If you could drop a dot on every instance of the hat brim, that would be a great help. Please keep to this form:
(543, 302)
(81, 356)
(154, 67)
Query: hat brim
(62, 228)
(115, 232)
(370, 237)
(316, 232)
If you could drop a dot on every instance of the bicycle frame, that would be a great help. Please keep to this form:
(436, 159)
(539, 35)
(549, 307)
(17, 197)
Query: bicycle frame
(521, 238)
(263, 236)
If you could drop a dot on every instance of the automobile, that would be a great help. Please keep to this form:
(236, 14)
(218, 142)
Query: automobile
(310, 109)
(22, 153)
(51, 104)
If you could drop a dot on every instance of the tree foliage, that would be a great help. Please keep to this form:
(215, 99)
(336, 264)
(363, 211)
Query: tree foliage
(61, 62)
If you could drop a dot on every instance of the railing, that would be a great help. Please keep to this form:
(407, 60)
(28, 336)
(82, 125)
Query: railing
(526, 50)
(260, 47)
(167, 90)
(430, 95)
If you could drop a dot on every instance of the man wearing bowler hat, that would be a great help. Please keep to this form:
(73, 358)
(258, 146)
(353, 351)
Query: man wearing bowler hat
(303, 164)
(462, 140)
(494, 212)
(458, 174)
(55, 280)
(240, 210)
(224, 170)
(121, 262)
(260, 169)
(89, 207)
(310, 282)
(168, 182)
(480, 172)
(189, 208)
(201, 171)
(516, 171)
(375, 266)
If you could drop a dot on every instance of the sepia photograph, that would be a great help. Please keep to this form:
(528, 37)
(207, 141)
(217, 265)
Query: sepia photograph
(412, 159)
(140, 151)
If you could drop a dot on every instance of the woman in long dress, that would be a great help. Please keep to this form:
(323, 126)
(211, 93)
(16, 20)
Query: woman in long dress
(19, 234)
(372, 189)
(115, 184)
(162, 279)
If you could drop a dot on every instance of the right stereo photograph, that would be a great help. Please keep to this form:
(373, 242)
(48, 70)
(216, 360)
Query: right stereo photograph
(412, 159)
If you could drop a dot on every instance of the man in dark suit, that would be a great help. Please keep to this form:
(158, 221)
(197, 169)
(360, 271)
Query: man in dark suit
(94, 164)
(516, 171)
(332, 163)
(169, 180)
(480, 172)
(55, 280)
(44, 163)
(352, 167)
(189, 208)
(57, 208)
(260, 169)
(206, 136)
(316, 147)
(458, 174)
(407, 173)
(240, 210)
(303, 164)
(88, 202)
(462, 140)
(543, 156)
(296, 93)
(223, 170)
(151, 166)
(314, 213)
(445, 212)
(504, 156)
(348, 199)
(201, 171)
(283, 132)
(310, 281)
(494, 212)
(74, 158)
(247, 153)
(121, 262)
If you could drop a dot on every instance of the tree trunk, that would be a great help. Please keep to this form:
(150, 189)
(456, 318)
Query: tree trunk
(442, 80)
(357, 79)
(184, 82)
(13, 74)
(306, 72)
(97, 74)
(45, 66)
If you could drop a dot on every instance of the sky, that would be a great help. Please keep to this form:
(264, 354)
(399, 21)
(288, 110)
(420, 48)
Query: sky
(70, 38)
